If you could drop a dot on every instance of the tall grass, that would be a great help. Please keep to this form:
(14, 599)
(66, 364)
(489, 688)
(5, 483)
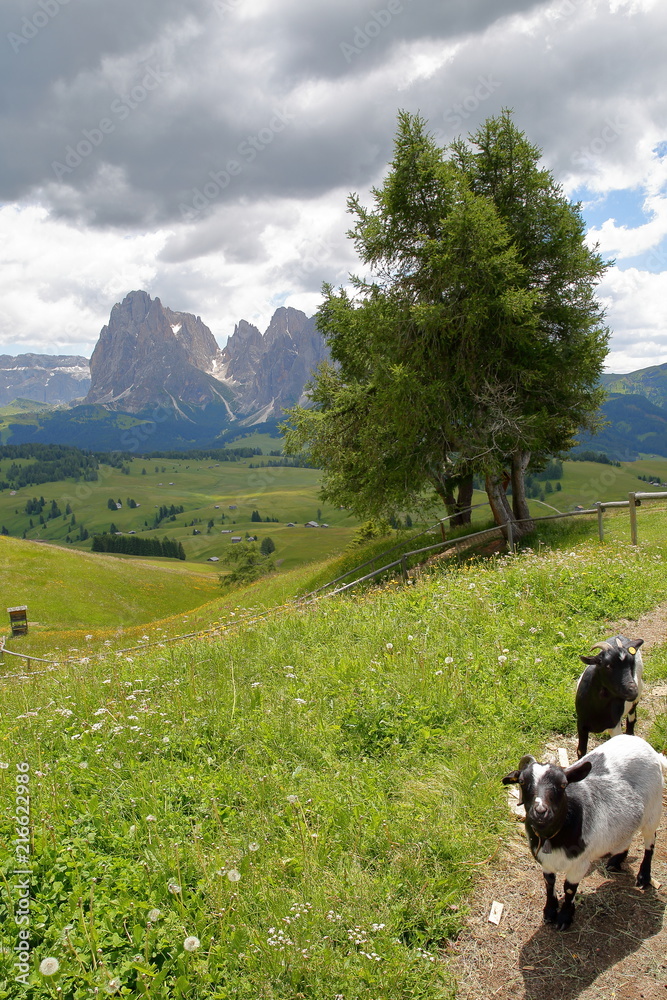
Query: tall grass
(308, 798)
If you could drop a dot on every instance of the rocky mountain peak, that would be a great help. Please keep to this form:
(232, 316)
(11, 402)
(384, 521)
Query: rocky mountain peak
(150, 356)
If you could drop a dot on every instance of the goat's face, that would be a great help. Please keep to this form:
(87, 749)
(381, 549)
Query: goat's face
(543, 792)
(616, 666)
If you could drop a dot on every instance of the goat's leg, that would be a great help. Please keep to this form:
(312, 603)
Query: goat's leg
(566, 912)
(631, 719)
(582, 746)
(644, 873)
(550, 910)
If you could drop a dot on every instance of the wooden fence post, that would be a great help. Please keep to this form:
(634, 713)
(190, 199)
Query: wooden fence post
(600, 527)
(404, 568)
(633, 518)
(510, 536)
(442, 529)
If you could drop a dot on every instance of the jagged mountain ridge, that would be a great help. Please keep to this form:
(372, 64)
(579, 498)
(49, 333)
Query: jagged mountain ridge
(150, 356)
(43, 378)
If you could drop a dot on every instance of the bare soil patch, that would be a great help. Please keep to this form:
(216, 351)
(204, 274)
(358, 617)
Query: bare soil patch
(616, 948)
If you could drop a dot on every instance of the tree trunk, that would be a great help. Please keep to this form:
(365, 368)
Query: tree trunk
(443, 487)
(520, 460)
(502, 512)
(464, 500)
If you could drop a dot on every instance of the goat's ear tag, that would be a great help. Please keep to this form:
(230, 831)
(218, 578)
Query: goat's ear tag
(631, 649)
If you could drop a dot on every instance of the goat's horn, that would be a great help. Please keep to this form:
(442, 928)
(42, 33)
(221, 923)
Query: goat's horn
(602, 645)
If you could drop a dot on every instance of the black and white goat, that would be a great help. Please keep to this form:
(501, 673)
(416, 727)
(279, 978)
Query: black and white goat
(609, 689)
(592, 808)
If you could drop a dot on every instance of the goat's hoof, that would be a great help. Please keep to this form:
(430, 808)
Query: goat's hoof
(550, 915)
(643, 881)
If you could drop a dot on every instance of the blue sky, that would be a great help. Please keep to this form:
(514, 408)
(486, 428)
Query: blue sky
(204, 149)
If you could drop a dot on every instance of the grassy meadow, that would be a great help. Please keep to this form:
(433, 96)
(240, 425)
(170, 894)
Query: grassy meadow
(300, 806)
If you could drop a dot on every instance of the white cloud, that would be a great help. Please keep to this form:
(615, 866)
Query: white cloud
(584, 77)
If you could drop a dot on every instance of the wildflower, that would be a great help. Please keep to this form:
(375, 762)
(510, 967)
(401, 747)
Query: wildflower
(3, 766)
(256, 684)
(254, 846)
(234, 875)
(438, 673)
(113, 985)
(390, 647)
(300, 701)
(153, 915)
(151, 818)
(83, 763)
(100, 711)
(501, 659)
(49, 966)
(449, 659)
(191, 943)
(292, 799)
(174, 888)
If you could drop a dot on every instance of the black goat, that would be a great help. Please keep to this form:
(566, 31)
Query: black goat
(609, 689)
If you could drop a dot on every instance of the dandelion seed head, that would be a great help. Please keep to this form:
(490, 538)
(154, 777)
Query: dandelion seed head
(234, 875)
(49, 966)
(153, 915)
(191, 943)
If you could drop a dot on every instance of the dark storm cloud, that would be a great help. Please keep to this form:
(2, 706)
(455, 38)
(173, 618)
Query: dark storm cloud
(121, 114)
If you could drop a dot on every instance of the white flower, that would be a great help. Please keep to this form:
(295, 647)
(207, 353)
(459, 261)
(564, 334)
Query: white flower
(151, 818)
(49, 966)
(113, 985)
(234, 875)
(191, 943)
(293, 799)
(256, 684)
(254, 846)
(449, 659)
(438, 673)
(83, 763)
(390, 646)
(174, 888)
(3, 766)
(153, 915)
(501, 659)
(300, 701)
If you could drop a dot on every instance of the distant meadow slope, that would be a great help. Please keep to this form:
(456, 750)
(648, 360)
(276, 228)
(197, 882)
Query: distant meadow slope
(300, 806)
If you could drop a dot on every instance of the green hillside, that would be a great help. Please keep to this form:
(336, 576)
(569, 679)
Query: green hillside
(649, 382)
(300, 806)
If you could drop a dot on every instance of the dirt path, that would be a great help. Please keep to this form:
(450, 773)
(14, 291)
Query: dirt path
(617, 946)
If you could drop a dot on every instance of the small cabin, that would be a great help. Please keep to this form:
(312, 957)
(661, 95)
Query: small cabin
(18, 618)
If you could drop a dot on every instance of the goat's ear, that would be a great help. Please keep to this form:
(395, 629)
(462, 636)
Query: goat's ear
(513, 777)
(637, 643)
(578, 771)
(589, 659)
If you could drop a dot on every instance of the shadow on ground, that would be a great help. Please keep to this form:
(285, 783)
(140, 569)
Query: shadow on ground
(609, 925)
